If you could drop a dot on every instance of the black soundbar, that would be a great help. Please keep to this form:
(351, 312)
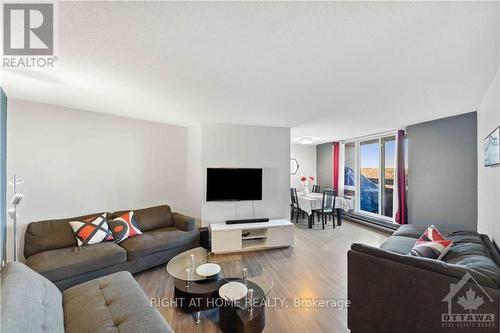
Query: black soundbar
(247, 221)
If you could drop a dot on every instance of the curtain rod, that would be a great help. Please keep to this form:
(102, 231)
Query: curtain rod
(372, 135)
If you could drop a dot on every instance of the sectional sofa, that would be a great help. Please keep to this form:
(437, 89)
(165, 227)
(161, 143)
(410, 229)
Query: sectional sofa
(114, 303)
(393, 292)
(51, 248)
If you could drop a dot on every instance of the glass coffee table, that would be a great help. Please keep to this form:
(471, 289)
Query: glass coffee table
(199, 276)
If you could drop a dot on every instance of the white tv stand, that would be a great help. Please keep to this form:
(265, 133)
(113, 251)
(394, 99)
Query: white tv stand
(251, 236)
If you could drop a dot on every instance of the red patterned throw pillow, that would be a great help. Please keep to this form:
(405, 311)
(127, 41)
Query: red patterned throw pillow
(432, 250)
(431, 235)
(124, 227)
(431, 245)
(92, 230)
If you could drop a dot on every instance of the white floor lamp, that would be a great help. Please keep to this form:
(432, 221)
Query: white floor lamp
(16, 200)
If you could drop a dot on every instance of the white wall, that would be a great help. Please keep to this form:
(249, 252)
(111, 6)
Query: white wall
(77, 162)
(194, 171)
(488, 118)
(306, 157)
(248, 147)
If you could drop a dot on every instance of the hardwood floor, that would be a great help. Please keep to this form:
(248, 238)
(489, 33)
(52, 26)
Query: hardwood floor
(314, 268)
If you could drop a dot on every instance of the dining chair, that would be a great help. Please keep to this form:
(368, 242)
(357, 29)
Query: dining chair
(316, 189)
(327, 208)
(327, 188)
(295, 205)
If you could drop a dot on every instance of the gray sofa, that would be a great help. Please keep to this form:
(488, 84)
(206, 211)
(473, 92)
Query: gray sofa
(391, 291)
(51, 249)
(114, 303)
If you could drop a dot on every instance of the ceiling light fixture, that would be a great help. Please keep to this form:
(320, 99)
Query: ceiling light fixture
(306, 140)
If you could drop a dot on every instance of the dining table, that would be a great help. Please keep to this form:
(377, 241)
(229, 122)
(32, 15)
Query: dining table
(310, 201)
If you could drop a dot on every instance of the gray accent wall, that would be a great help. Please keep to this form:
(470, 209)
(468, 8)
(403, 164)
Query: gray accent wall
(488, 185)
(442, 158)
(3, 173)
(324, 165)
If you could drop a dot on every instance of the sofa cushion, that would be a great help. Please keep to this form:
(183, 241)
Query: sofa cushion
(438, 266)
(61, 264)
(399, 244)
(415, 231)
(469, 249)
(158, 240)
(50, 235)
(114, 303)
(30, 302)
(151, 218)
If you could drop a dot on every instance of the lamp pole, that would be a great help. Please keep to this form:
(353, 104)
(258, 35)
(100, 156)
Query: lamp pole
(15, 221)
(16, 199)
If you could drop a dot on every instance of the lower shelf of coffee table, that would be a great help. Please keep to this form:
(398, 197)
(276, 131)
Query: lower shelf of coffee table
(204, 295)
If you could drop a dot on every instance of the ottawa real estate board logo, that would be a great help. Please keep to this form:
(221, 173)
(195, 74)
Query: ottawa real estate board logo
(28, 35)
(469, 307)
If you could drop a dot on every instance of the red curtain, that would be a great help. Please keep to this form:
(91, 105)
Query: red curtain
(401, 214)
(336, 155)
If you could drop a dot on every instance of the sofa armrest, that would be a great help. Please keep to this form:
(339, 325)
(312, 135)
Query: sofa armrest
(393, 293)
(183, 222)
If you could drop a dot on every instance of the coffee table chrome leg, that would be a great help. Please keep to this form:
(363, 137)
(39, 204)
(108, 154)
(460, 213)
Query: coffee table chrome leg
(198, 320)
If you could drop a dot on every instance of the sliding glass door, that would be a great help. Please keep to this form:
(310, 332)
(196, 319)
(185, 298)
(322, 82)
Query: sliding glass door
(369, 173)
(369, 161)
(388, 164)
(350, 170)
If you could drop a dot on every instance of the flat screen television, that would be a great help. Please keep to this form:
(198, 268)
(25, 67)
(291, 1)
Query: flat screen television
(225, 184)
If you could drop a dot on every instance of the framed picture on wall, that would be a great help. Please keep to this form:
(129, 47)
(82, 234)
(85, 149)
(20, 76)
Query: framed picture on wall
(492, 148)
(294, 166)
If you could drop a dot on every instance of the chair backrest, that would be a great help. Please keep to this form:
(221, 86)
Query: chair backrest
(316, 189)
(293, 197)
(327, 187)
(328, 201)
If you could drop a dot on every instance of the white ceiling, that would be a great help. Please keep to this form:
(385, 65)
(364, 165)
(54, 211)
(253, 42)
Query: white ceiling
(328, 70)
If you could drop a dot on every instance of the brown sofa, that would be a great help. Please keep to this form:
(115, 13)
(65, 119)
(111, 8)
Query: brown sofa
(115, 303)
(391, 291)
(51, 249)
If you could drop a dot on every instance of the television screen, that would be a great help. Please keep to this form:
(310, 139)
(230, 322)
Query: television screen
(225, 184)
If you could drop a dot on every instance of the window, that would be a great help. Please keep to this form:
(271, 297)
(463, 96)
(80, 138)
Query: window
(350, 169)
(369, 158)
(369, 175)
(389, 166)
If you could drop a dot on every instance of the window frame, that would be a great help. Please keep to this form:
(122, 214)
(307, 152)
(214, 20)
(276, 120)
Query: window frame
(357, 143)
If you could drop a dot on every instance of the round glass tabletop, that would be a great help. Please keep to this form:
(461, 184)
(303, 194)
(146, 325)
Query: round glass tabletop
(258, 288)
(186, 266)
(183, 266)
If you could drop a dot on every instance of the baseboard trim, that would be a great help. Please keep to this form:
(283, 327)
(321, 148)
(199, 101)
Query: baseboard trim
(382, 226)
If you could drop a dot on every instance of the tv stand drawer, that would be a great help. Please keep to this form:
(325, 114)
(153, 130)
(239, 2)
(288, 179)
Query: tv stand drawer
(226, 241)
